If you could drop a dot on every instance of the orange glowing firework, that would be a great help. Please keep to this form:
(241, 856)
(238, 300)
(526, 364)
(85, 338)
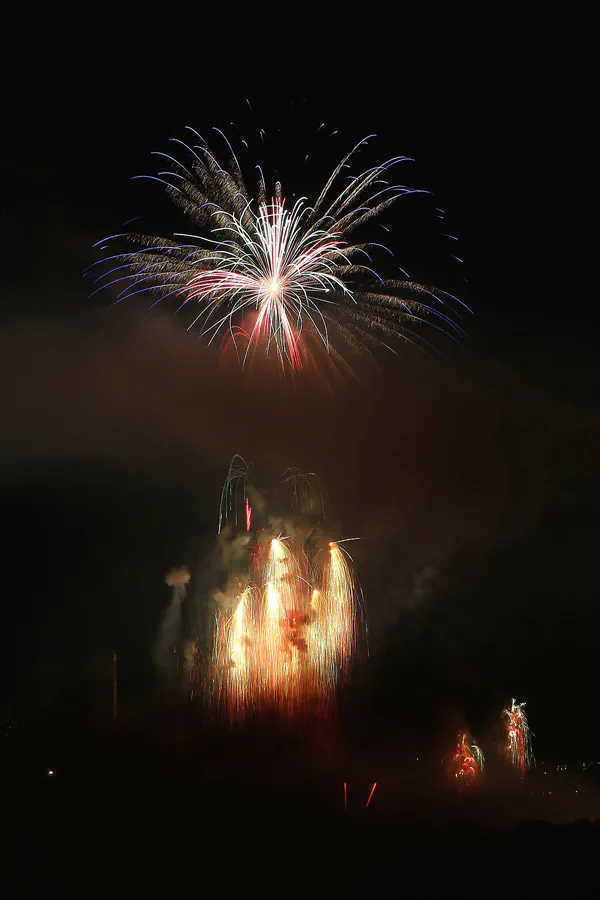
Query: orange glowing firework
(467, 761)
(293, 630)
(518, 737)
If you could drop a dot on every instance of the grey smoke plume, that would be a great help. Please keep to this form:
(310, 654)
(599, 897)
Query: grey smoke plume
(190, 653)
(256, 498)
(437, 465)
(299, 530)
(169, 631)
(423, 581)
(225, 598)
(178, 577)
(231, 549)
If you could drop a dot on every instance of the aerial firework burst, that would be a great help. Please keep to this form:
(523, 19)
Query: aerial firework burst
(288, 635)
(518, 737)
(467, 761)
(265, 272)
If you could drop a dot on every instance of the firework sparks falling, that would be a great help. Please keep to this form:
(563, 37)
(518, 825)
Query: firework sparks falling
(290, 635)
(286, 278)
(287, 644)
(518, 737)
(238, 474)
(467, 761)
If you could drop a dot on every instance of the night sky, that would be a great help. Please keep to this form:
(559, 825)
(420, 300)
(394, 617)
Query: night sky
(473, 483)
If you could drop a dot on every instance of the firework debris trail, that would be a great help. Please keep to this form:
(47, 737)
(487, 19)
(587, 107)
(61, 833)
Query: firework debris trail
(518, 737)
(370, 797)
(467, 761)
(169, 632)
(287, 632)
(286, 278)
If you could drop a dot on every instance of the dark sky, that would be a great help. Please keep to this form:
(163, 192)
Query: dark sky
(116, 432)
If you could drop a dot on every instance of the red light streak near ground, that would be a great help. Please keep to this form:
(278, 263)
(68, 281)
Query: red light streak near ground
(371, 795)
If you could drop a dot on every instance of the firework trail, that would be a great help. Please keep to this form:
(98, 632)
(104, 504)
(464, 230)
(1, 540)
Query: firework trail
(264, 272)
(518, 737)
(467, 761)
(237, 477)
(288, 636)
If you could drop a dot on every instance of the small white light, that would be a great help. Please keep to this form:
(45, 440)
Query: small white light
(50, 771)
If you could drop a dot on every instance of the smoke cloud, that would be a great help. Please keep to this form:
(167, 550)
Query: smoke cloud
(421, 462)
(178, 578)
(169, 632)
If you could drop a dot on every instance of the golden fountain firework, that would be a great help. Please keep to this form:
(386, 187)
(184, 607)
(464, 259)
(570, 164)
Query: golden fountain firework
(289, 638)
